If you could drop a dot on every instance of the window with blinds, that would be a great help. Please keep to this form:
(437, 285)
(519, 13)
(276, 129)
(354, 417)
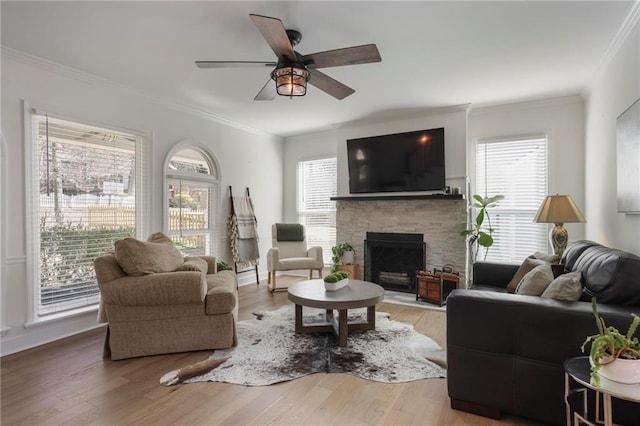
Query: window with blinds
(192, 185)
(316, 185)
(85, 198)
(517, 169)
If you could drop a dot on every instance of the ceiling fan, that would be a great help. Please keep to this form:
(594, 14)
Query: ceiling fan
(292, 70)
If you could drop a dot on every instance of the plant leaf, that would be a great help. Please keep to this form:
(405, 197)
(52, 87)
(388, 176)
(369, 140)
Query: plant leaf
(485, 240)
(478, 198)
(494, 199)
(480, 218)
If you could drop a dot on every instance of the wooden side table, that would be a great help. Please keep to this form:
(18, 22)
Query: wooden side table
(352, 269)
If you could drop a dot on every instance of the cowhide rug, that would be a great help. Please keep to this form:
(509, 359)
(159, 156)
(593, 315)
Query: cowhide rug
(269, 351)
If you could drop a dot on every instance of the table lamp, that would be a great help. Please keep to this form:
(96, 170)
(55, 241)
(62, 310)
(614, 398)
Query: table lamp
(559, 209)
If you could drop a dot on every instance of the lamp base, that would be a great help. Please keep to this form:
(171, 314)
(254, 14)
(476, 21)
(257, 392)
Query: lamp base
(558, 237)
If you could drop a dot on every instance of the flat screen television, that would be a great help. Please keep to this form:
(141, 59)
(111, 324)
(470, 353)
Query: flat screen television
(402, 162)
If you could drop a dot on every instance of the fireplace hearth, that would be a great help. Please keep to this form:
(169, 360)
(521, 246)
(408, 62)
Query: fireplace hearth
(391, 259)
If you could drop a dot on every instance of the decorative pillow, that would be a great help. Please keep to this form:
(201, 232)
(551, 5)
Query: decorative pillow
(536, 281)
(553, 259)
(526, 266)
(566, 287)
(159, 237)
(138, 258)
(289, 232)
(194, 264)
(558, 269)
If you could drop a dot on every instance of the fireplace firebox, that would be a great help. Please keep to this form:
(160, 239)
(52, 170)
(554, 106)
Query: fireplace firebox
(392, 259)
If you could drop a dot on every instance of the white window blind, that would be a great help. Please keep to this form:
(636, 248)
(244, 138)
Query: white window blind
(517, 169)
(84, 198)
(192, 193)
(316, 211)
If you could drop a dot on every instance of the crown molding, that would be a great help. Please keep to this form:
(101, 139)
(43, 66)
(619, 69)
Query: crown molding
(621, 36)
(392, 116)
(528, 104)
(97, 81)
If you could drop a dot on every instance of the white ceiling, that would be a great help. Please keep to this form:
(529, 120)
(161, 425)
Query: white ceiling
(434, 54)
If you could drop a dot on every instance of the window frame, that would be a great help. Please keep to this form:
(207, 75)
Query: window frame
(213, 180)
(512, 212)
(299, 194)
(143, 152)
(3, 240)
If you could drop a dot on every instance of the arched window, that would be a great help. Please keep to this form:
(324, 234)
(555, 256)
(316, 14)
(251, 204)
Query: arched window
(192, 187)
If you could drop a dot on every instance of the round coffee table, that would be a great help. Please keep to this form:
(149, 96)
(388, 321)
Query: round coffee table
(357, 294)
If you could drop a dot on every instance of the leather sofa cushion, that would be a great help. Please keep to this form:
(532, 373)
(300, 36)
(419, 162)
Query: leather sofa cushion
(573, 252)
(610, 275)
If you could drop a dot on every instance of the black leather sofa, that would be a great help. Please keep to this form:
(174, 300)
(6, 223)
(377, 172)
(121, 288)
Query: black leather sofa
(505, 352)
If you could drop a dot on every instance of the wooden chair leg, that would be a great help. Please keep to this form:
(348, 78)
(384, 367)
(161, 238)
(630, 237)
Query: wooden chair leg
(310, 273)
(268, 277)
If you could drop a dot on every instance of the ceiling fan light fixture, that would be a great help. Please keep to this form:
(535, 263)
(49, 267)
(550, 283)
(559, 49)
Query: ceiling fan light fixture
(291, 81)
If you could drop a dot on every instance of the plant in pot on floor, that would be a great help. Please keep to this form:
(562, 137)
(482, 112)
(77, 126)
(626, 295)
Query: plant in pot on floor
(341, 253)
(614, 355)
(477, 235)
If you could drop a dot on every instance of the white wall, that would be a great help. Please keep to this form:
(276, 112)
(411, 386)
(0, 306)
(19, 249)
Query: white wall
(246, 158)
(612, 92)
(562, 120)
(334, 142)
(302, 148)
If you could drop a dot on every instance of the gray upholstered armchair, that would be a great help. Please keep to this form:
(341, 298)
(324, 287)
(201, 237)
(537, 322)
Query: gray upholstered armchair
(289, 252)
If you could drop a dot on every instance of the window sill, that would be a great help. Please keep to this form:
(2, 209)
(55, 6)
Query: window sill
(49, 318)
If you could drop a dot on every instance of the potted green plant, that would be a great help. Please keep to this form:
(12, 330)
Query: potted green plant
(614, 355)
(477, 235)
(335, 280)
(341, 253)
(221, 265)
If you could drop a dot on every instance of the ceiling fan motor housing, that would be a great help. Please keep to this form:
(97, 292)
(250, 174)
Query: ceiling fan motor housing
(294, 37)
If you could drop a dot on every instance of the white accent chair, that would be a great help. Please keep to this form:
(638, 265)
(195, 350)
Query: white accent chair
(289, 252)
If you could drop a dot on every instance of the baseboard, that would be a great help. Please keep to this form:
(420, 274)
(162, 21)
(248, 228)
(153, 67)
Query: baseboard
(481, 410)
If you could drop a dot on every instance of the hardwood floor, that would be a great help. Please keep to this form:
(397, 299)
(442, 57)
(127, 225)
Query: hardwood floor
(68, 382)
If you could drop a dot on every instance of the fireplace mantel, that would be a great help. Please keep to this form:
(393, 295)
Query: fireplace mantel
(399, 197)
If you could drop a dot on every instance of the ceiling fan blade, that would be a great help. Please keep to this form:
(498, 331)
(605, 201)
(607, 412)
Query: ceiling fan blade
(234, 64)
(347, 56)
(275, 35)
(329, 85)
(267, 93)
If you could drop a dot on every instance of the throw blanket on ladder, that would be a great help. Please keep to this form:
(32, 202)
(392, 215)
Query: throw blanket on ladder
(243, 232)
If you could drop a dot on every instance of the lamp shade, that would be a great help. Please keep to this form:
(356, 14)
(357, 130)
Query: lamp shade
(559, 209)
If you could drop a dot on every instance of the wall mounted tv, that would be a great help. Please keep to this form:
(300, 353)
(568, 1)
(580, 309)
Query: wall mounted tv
(402, 162)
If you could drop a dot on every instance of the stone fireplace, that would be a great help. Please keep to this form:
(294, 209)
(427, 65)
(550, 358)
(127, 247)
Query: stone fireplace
(438, 218)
